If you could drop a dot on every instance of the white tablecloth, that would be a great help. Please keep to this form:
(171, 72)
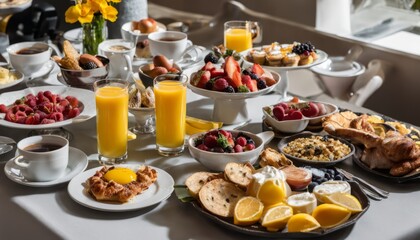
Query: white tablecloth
(50, 213)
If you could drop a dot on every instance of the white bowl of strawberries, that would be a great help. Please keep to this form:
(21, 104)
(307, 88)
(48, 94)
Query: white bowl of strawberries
(217, 148)
(295, 116)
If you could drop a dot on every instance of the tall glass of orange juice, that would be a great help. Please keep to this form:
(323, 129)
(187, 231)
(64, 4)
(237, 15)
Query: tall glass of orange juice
(238, 35)
(111, 120)
(171, 107)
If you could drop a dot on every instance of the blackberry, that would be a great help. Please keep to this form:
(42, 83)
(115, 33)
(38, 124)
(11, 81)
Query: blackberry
(209, 85)
(211, 57)
(89, 65)
(230, 89)
(246, 72)
(261, 84)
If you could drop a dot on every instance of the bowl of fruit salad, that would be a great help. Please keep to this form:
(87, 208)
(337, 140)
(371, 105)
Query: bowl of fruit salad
(295, 116)
(216, 148)
(230, 86)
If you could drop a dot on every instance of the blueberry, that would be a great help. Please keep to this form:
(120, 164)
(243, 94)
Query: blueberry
(327, 176)
(250, 141)
(253, 76)
(246, 72)
(209, 85)
(331, 172)
(261, 84)
(229, 89)
(311, 186)
(338, 178)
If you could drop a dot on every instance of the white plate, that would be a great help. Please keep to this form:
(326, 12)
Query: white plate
(19, 77)
(157, 192)
(322, 56)
(77, 163)
(86, 97)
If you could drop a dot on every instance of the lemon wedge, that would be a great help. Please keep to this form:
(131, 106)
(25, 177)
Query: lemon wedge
(131, 135)
(302, 222)
(277, 217)
(196, 125)
(248, 211)
(330, 215)
(345, 200)
(272, 192)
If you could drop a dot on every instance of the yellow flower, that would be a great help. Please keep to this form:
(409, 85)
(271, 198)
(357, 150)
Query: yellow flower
(84, 10)
(110, 13)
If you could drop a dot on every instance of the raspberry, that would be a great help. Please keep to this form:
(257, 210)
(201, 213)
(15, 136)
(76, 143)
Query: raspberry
(210, 141)
(250, 147)
(238, 148)
(241, 141)
(203, 147)
(220, 84)
(229, 89)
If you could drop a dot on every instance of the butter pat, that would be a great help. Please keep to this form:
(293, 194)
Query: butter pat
(302, 202)
(329, 187)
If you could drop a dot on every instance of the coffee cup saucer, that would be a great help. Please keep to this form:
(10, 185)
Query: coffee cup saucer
(77, 163)
(46, 69)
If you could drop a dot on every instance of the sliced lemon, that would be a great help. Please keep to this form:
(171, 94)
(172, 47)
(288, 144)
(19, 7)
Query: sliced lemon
(302, 222)
(131, 135)
(276, 218)
(248, 211)
(272, 191)
(330, 215)
(345, 200)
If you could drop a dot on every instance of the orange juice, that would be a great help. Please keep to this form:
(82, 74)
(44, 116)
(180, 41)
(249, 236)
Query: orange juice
(238, 39)
(112, 121)
(170, 100)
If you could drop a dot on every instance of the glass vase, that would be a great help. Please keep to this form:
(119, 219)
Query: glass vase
(93, 34)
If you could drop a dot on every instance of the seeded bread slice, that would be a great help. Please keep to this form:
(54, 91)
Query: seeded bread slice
(220, 197)
(197, 180)
(239, 173)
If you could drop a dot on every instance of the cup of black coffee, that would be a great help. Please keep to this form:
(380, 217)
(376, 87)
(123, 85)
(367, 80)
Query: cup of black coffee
(42, 158)
(29, 57)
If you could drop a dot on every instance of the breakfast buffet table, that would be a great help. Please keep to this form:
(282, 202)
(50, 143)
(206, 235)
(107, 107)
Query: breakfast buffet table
(50, 213)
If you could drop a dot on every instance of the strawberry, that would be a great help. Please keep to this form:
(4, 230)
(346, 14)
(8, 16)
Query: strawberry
(225, 133)
(73, 101)
(74, 112)
(230, 141)
(236, 80)
(217, 72)
(201, 78)
(3, 108)
(47, 121)
(257, 70)
(311, 110)
(295, 115)
(208, 67)
(210, 141)
(279, 113)
(253, 86)
(56, 116)
(268, 81)
(250, 147)
(285, 106)
(231, 66)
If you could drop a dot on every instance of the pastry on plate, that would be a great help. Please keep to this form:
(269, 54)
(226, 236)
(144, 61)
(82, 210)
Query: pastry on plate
(119, 184)
(290, 60)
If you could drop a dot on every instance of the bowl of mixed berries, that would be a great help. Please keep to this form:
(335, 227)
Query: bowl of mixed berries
(229, 86)
(216, 148)
(295, 116)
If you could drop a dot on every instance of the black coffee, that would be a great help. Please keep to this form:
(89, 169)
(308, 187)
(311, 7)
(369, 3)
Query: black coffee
(42, 147)
(169, 39)
(30, 50)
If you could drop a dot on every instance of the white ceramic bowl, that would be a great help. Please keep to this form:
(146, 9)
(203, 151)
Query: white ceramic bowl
(128, 35)
(295, 126)
(217, 161)
(338, 76)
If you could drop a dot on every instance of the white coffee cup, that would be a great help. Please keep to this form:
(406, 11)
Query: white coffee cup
(170, 44)
(29, 63)
(120, 53)
(42, 158)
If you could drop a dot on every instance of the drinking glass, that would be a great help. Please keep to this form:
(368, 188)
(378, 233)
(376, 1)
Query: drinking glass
(238, 35)
(170, 106)
(111, 120)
